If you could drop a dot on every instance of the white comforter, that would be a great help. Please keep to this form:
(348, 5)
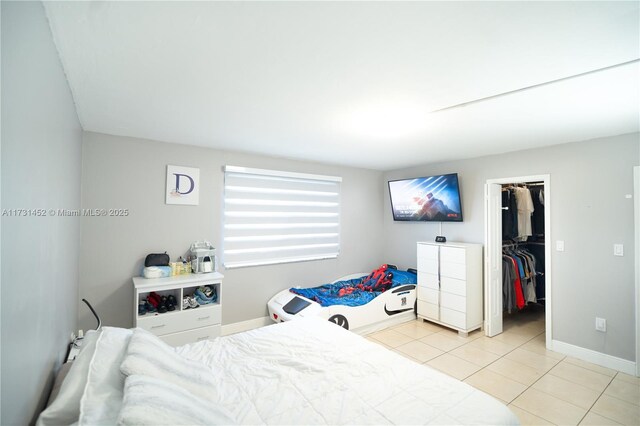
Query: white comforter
(300, 372)
(314, 372)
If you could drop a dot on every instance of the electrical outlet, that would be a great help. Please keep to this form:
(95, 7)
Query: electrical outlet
(601, 324)
(618, 250)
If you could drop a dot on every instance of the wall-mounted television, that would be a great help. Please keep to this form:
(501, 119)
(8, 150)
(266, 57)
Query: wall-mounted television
(426, 199)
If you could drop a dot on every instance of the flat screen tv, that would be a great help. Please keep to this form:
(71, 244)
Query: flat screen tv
(426, 199)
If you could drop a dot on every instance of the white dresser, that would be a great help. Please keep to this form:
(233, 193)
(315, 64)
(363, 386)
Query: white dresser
(180, 327)
(450, 285)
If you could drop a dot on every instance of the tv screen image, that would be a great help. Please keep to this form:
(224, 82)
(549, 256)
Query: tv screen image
(431, 198)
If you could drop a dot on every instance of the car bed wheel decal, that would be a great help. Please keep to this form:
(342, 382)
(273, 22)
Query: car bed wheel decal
(340, 320)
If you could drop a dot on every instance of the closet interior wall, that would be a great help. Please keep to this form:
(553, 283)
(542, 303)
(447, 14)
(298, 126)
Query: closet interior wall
(523, 250)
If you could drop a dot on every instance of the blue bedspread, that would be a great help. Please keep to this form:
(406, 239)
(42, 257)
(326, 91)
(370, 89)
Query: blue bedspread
(328, 294)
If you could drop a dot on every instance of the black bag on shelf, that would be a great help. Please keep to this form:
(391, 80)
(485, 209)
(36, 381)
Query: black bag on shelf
(157, 259)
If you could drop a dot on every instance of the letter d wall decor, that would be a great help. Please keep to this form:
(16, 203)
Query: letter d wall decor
(183, 185)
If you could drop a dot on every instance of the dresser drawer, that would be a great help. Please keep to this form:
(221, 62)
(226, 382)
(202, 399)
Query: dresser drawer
(453, 270)
(453, 301)
(428, 310)
(453, 254)
(428, 295)
(428, 265)
(191, 336)
(428, 280)
(427, 251)
(161, 324)
(173, 322)
(453, 286)
(453, 318)
(202, 316)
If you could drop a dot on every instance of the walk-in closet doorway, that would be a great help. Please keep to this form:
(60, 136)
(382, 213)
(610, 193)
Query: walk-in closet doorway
(493, 292)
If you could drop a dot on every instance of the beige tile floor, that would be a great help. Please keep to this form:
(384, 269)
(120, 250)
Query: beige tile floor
(541, 387)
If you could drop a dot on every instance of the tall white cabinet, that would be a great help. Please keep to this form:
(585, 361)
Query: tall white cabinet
(450, 285)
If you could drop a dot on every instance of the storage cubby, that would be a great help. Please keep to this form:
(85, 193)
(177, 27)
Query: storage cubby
(173, 292)
(180, 326)
(190, 291)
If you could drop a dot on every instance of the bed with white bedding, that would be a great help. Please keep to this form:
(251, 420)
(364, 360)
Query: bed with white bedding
(300, 372)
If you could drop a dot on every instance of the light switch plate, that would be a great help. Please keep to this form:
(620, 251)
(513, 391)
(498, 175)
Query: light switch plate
(618, 250)
(559, 245)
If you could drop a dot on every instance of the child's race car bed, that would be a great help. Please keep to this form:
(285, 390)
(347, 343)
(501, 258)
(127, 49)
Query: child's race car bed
(299, 372)
(359, 302)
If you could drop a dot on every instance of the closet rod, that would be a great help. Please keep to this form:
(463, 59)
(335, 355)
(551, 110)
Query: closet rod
(518, 243)
(511, 244)
(506, 186)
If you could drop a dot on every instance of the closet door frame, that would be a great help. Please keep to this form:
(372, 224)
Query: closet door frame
(636, 208)
(493, 275)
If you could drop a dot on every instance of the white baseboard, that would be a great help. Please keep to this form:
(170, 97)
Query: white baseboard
(604, 360)
(238, 327)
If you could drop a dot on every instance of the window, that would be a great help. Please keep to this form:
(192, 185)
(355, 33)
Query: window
(278, 217)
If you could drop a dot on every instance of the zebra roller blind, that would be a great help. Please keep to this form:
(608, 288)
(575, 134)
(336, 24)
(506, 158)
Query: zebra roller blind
(278, 217)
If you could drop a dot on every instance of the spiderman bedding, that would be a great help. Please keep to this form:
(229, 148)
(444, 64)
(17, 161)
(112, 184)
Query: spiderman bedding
(358, 291)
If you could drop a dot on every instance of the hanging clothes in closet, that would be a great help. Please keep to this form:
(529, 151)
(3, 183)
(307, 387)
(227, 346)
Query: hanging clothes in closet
(509, 214)
(525, 211)
(537, 219)
(519, 278)
(522, 212)
(537, 250)
(523, 253)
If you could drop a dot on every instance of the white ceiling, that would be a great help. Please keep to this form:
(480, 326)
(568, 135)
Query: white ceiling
(352, 83)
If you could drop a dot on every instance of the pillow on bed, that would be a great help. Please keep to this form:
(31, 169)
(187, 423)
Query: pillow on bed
(151, 401)
(149, 356)
(102, 396)
(65, 408)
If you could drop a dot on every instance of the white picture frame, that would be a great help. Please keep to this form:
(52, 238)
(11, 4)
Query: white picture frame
(183, 185)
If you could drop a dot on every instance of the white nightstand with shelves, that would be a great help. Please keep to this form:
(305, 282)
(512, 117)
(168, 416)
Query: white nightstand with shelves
(180, 326)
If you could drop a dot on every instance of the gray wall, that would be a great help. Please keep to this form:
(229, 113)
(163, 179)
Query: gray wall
(41, 154)
(590, 213)
(589, 181)
(120, 172)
